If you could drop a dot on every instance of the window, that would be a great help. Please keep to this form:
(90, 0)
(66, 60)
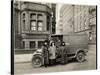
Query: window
(48, 23)
(24, 24)
(23, 15)
(39, 16)
(23, 44)
(39, 28)
(36, 22)
(40, 24)
(48, 26)
(93, 21)
(90, 35)
(32, 44)
(33, 25)
(40, 44)
(78, 18)
(86, 18)
(33, 16)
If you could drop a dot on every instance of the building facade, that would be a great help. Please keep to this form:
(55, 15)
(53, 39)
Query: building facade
(34, 24)
(92, 24)
(59, 25)
(53, 18)
(16, 24)
(66, 19)
(80, 19)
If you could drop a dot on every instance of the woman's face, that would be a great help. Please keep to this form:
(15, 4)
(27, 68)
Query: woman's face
(45, 43)
(63, 44)
(53, 44)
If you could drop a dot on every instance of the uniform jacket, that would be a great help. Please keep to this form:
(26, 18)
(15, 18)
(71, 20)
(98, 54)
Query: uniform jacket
(52, 52)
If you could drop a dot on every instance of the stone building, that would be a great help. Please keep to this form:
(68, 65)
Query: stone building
(66, 19)
(16, 24)
(92, 33)
(33, 24)
(53, 18)
(59, 25)
(80, 19)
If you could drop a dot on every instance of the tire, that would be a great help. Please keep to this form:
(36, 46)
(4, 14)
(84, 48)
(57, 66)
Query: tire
(36, 61)
(80, 57)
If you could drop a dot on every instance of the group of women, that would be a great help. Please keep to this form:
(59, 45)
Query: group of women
(49, 53)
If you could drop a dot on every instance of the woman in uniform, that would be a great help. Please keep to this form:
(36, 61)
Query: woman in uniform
(63, 54)
(52, 54)
(46, 54)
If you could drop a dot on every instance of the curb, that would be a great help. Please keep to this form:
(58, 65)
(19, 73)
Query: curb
(22, 62)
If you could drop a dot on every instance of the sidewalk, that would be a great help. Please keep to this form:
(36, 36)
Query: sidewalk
(92, 47)
(20, 58)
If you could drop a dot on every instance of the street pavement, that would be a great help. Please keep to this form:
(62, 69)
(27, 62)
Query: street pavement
(23, 64)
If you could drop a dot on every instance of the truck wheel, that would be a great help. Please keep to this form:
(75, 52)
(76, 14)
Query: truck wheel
(80, 56)
(36, 61)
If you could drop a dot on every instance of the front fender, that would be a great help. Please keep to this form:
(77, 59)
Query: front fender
(81, 50)
(40, 56)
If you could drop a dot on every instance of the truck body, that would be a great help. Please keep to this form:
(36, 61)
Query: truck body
(74, 42)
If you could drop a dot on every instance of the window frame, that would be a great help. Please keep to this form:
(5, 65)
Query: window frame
(39, 43)
(30, 44)
(39, 26)
(31, 26)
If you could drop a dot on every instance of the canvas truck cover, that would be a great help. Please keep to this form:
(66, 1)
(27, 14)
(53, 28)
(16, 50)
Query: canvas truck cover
(76, 39)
